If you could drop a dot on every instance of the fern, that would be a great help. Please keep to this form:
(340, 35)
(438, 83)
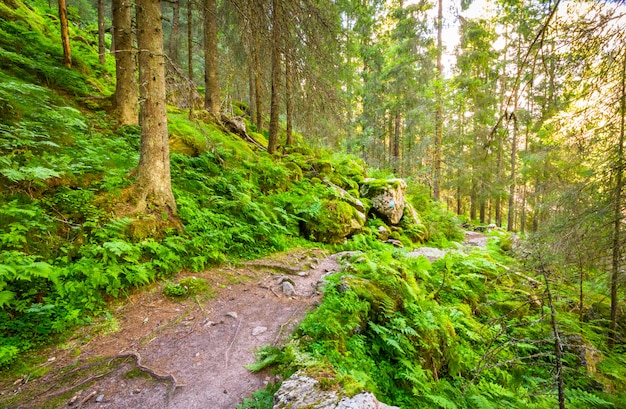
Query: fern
(577, 398)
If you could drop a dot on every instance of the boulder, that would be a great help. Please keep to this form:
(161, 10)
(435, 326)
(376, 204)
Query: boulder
(335, 221)
(387, 196)
(431, 253)
(587, 354)
(345, 196)
(301, 391)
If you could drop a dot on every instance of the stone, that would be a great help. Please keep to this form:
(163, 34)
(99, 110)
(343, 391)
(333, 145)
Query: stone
(431, 253)
(301, 391)
(395, 242)
(100, 398)
(383, 233)
(303, 274)
(335, 221)
(346, 197)
(588, 355)
(258, 330)
(387, 197)
(232, 314)
(288, 289)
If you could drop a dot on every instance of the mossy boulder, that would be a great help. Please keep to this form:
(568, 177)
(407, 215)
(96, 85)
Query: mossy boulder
(412, 225)
(335, 221)
(387, 196)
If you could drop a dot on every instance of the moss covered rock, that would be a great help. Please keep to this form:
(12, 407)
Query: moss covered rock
(335, 221)
(387, 196)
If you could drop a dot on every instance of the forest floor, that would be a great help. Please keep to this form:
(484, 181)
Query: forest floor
(153, 352)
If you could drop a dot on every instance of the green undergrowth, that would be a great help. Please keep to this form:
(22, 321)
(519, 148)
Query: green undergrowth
(467, 331)
(65, 170)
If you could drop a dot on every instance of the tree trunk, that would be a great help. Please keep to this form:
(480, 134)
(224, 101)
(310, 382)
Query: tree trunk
(272, 140)
(288, 101)
(473, 201)
(153, 183)
(174, 35)
(439, 105)
(558, 345)
(65, 35)
(617, 213)
(192, 88)
(396, 143)
(211, 69)
(258, 91)
(126, 101)
(511, 216)
(101, 46)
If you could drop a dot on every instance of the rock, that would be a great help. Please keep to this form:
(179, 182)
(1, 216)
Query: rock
(588, 355)
(100, 398)
(335, 221)
(395, 242)
(303, 274)
(383, 233)
(365, 400)
(387, 197)
(232, 314)
(346, 197)
(431, 253)
(288, 289)
(301, 391)
(258, 330)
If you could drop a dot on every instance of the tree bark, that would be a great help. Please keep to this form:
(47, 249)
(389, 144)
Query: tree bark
(101, 46)
(65, 36)
(439, 105)
(272, 140)
(192, 90)
(288, 101)
(153, 183)
(511, 216)
(258, 91)
(174, 35)
(126, 100)
(617, 213)
(211, 69)
(558, 345)
(396, 143)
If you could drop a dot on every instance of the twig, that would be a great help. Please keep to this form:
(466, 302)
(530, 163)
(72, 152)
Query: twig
(86, 398)
(79, 384)
(232, 342)
(273, 292)
(282, 326)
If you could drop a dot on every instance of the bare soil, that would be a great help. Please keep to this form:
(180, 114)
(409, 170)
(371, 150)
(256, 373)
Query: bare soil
(158, 353)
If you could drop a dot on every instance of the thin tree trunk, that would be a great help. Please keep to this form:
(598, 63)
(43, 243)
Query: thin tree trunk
(396, 143)
(174, 35)
(153, 183)
(192, 90)
(258, 91)
(272, 140)
(439, 105)
(558, 345)
(101, 46)
(65, 35)
(288, 100)
(211, 69)
(251, 91)
(126, 101)
(511, 216)
(617, 214)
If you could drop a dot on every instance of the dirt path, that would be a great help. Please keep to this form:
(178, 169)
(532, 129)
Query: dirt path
(163, 354)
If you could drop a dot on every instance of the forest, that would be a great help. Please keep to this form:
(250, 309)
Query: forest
(141, 140)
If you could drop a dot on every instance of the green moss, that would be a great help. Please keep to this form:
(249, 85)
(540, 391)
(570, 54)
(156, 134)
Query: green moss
(333, 224)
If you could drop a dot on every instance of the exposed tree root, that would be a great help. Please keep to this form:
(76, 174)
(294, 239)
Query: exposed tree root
(168, 377)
